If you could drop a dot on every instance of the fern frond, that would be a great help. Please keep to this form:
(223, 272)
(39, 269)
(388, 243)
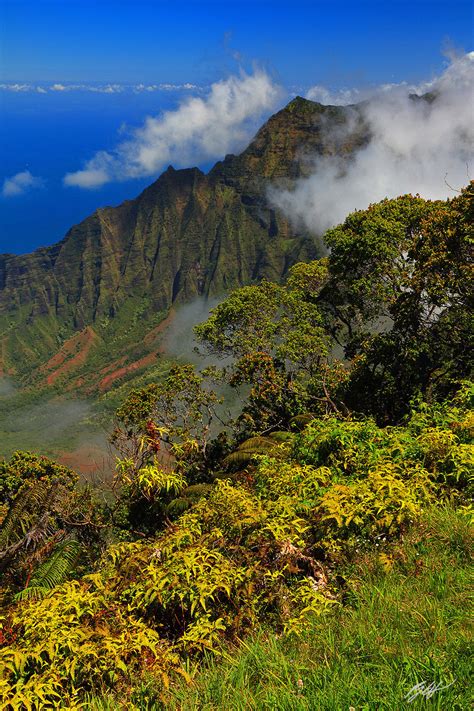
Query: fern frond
(239, 457)
(188, 497)
(28, 505)
(32, 593)
(281, 436)
(256, 444)
(178, 506)
(247, 450)
(54, 570)
(299, 422)
(195, 491)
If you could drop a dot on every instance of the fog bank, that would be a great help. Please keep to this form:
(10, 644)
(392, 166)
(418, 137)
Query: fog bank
(416, 146)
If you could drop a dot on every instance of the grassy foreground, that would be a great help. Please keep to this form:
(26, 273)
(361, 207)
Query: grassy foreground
(403, 622)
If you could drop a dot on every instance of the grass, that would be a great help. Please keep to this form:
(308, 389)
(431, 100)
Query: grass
(404, 621)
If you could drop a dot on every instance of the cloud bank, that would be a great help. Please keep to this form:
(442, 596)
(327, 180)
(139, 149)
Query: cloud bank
(202, 128)
(347, 97)
(18, 88)
(416, 146)
(20, 183)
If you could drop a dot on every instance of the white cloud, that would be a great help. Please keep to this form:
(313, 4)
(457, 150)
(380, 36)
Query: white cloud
(415, 147)
(16, 87)
(20, 183)
(94, 88)
(97, 88)
(202, 128)
(107, 89)
(341, 97)
(346, 97)
(166, 87)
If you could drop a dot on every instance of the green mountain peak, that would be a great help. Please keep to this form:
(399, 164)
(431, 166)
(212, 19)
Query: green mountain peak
(69, 310)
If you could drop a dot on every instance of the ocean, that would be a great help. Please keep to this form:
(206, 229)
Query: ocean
(52, 133)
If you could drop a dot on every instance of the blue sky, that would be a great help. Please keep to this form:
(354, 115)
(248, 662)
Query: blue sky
(302, 42)
(49, 131)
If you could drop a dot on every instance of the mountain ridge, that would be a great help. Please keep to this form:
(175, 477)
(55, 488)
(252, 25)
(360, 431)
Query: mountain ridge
(188, 234)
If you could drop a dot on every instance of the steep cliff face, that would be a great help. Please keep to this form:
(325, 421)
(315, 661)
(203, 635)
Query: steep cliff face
(120, 270)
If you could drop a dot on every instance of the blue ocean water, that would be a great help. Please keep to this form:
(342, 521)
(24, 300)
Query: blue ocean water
(55, 133)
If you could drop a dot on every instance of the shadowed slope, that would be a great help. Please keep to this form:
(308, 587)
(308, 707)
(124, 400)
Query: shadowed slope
(188, 234)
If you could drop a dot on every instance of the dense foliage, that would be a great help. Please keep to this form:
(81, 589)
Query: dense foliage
(356, 415)
(401, 293)
(402, 631)
(386, 317)
(48, 526)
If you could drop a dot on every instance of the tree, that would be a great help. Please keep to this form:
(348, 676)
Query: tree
(162, 434)
(280, 346)
(399, 297)
(386, 317)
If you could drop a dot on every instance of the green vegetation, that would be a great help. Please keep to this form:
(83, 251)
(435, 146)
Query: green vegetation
(49, 527)
(403, 623)
(311, 552)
